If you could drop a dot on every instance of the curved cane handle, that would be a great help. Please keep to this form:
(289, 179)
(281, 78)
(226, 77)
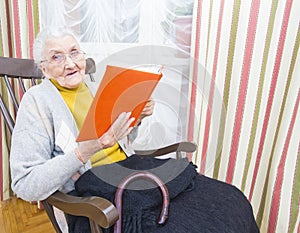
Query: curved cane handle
(145, 175)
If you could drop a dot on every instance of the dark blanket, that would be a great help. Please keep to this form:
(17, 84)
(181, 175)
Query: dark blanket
(198, 203)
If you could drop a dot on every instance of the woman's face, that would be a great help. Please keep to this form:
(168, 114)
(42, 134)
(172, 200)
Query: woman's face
(63, 61)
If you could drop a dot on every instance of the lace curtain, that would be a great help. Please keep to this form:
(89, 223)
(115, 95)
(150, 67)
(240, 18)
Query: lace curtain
(124, 21)
(136, 33)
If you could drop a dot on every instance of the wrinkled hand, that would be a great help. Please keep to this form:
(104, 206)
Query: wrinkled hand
(118, 130)
(147, 111)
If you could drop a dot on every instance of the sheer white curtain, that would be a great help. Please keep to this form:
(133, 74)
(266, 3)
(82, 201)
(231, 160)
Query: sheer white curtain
(126, 21)
(135, 33)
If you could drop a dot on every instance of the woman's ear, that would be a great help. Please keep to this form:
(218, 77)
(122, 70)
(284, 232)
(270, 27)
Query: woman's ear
(42, 67)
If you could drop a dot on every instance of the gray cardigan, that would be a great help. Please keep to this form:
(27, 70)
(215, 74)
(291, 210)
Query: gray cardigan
(42, 158)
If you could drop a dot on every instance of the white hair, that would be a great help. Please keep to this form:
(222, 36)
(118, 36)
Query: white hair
(45, 35)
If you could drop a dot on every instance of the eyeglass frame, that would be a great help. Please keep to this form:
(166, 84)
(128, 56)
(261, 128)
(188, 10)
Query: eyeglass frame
(65, 57)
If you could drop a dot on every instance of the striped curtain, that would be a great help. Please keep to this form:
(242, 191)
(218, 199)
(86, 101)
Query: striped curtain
(19, 23)
(244, 113)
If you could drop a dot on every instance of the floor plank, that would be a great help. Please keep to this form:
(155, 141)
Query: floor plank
(18, 216)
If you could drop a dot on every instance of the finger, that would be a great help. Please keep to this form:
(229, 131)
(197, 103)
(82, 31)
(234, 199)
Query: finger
(121, 129)
(123, 117)
(124, 128)
(149, 105)
(147, 108)
(126, 133)
(147, 112)
(125, 123)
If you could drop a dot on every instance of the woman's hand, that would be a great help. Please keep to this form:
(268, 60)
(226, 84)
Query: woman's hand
(118, 130)
(147, 111)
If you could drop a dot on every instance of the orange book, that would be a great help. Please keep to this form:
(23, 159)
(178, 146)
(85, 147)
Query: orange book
(121, 90)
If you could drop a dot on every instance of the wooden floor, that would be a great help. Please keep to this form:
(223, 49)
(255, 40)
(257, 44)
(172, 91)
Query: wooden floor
(18, 216)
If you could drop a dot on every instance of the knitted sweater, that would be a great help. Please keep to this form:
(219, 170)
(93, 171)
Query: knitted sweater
(42, 158)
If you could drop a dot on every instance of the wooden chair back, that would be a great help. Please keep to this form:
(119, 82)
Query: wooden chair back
(20, 70)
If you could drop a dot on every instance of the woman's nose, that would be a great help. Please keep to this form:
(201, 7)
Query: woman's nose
(69, 63)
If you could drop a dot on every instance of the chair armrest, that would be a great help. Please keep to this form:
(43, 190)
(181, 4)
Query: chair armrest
(188, 147)
(98, 209)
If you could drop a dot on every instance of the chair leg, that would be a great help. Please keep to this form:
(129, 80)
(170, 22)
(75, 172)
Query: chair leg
(40, 205)
(95, 228)
(50, 213)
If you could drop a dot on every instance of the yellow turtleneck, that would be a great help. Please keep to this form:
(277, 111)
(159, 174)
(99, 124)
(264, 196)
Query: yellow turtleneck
(79, 101)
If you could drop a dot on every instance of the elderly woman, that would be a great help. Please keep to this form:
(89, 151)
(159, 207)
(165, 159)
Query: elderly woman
(44, 154)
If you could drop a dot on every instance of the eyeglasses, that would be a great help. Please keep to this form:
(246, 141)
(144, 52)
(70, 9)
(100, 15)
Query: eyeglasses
(60, 58)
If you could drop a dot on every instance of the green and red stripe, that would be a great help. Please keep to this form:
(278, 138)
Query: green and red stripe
(271, 92)
(243, 88)
(211, 92)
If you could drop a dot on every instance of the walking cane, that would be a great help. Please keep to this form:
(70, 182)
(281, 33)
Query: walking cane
(144, 175)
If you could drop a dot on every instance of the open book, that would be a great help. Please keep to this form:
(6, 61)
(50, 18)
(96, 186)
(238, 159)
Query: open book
(121, 90)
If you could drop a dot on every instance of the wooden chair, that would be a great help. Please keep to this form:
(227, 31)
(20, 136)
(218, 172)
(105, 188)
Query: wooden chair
(101, 212)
